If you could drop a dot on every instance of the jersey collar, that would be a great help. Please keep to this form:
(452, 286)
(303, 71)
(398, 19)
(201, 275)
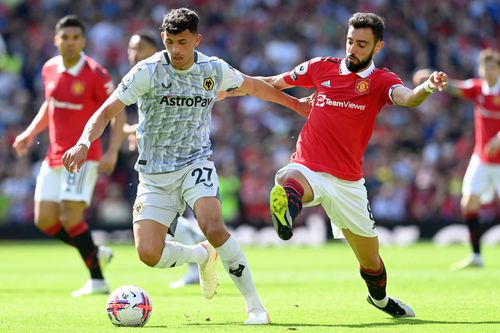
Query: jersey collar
(193, 66)
(487, 90)
(75, 70)
(363, 74)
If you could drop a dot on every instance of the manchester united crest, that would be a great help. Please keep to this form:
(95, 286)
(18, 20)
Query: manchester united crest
(362, 86)
(497, 100)
(77, 88)
(208, 84)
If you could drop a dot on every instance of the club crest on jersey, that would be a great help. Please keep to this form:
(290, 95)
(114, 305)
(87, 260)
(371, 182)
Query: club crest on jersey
(208, 84)
(362, 86)
(497, 100)
(77, 88)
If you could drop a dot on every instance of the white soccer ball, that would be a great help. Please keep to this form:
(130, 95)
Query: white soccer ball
(129, 306)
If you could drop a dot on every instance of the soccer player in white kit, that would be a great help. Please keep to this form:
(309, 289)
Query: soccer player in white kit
(175, 90)
(142, 45)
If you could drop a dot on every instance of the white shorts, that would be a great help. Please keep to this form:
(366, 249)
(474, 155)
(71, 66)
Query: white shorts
(57, 184)
(163, 197)
(345, 202)
(481, 179)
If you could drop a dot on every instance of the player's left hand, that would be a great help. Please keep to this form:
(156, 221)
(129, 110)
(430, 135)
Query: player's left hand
(108, 162)
(493, 146)
(438, 81)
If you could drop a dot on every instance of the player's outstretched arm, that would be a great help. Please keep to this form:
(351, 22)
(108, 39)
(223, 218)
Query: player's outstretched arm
(403, 96)
(454, 88)
(108, 160)
(261, 89)
(76, 155)
(25, 140)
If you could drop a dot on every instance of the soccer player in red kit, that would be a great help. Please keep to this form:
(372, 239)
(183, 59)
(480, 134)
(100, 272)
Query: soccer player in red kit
(482, 178)
(326, 167)
(75, 86)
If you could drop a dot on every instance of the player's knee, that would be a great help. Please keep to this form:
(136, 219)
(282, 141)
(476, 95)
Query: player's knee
(148, 254)
(281, 177)
(44, 223)
(469, 204)
(216, 233)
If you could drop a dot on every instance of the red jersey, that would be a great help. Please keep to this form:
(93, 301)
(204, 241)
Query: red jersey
(341, 122)
(73, 95)
(486, 114)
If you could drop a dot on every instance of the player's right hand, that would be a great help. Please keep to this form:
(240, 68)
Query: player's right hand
(74, 157)
(22, 143)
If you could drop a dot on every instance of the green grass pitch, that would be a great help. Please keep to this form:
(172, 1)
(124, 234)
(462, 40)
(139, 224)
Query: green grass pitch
(305, 289)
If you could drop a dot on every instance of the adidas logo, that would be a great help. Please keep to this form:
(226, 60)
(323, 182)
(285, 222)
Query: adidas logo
(326, 84)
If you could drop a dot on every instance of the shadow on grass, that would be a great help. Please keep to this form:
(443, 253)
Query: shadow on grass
(393, 322)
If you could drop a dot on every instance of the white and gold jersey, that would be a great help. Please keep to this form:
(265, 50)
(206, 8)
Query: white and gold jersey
(174, 108)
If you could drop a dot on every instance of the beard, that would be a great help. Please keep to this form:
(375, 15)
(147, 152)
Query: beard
(360, 65)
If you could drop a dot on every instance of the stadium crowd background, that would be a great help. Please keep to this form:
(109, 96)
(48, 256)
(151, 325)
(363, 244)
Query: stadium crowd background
(415, 161)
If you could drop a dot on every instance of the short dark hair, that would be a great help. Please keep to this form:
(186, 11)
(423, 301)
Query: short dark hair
(180, 19)
(489, 55)
(70, 21)
(369, 20)
(148, 37)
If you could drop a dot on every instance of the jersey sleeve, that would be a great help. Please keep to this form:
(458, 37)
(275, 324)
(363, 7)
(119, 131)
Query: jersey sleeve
(392, 81)
(301, 75)
(231, 78)
(468, 88)
(105, 85)
(134, 84)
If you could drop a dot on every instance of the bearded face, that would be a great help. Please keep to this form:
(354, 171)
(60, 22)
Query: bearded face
(355, 65)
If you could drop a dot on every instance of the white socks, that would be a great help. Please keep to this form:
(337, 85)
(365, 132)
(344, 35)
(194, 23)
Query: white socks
(236, 265)
(380, 303)
(176, 254)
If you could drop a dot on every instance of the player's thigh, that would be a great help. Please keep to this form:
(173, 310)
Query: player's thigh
(48, 184)
(495, 179)
(476, 180)
(159, 198)
(79, 186)
(200, 189)
(346, 204)
(47, 196)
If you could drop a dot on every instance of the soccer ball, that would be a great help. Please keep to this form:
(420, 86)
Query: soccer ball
(129, 306)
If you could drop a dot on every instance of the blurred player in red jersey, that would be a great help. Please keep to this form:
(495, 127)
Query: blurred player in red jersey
(482, 178)
(75, 87)
(326, 167)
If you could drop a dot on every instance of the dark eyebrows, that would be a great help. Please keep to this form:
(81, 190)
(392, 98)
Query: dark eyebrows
(360, 41)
